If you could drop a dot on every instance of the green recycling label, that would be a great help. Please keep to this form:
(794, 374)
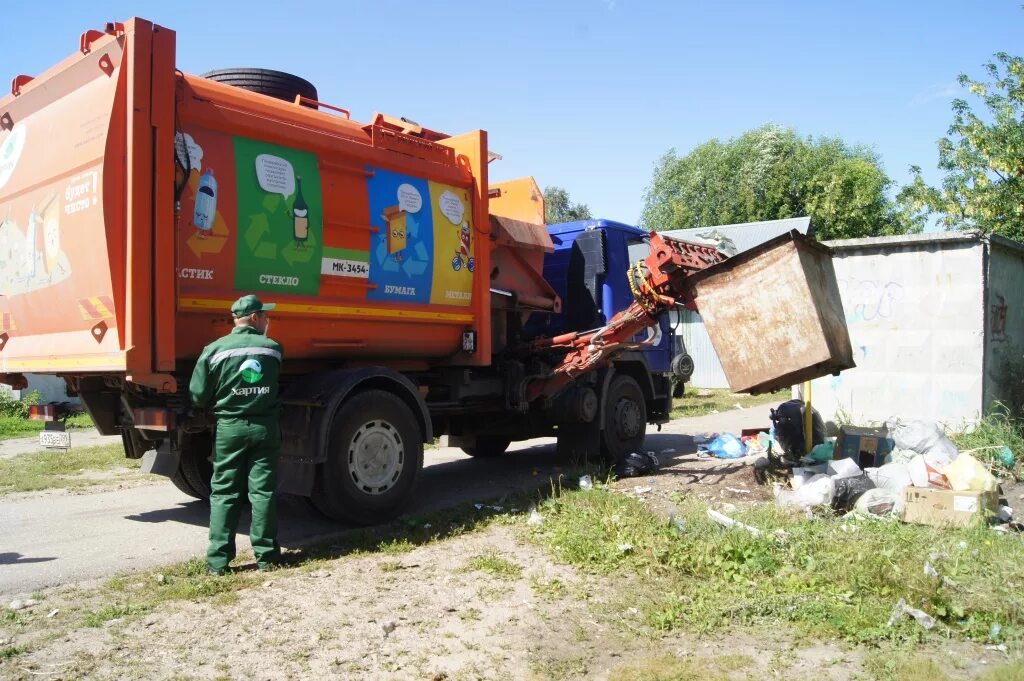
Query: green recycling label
(280, 219)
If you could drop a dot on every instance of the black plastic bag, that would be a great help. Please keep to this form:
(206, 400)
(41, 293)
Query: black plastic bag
(635, 464)
(788, 419)
(849, 490)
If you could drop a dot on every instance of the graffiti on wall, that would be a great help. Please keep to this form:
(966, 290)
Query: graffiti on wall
(869, 300)
(999, 309)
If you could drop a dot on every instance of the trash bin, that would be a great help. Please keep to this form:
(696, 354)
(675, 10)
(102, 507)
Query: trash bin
(774, 314)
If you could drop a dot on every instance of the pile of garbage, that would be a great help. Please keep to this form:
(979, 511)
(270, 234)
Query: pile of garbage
(922, 458)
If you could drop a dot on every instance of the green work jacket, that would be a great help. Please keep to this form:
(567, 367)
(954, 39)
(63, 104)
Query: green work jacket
(237, 375)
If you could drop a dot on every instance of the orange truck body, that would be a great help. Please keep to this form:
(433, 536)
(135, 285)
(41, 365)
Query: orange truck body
(113, 258)
(138, 202)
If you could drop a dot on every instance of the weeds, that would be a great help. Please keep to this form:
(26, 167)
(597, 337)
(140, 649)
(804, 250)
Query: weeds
(98, 618)
(17, 407)
(7, 652)
(821, 578)
(497, 566)
(998, 429)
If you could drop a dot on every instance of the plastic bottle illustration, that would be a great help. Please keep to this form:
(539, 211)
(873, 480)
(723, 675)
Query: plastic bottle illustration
(300, 215)
(206, 202)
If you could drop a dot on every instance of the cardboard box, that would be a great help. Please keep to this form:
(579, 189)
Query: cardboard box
(944, 507)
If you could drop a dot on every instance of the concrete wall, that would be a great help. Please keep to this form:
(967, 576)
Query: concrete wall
(914, 307)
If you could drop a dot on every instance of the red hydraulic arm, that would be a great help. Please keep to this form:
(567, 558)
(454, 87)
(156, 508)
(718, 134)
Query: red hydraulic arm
(658, 283)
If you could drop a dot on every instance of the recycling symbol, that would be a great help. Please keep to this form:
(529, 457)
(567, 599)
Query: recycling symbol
(413, 260)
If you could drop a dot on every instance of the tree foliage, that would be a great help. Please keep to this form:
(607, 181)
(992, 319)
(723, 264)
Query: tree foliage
(771, 173)
(559, 208)
(982, 156)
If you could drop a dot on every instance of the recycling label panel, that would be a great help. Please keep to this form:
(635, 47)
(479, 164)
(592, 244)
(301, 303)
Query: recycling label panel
(252, 220)
(402, 252)
(280, 219)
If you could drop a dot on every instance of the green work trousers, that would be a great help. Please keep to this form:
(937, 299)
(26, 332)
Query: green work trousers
(246, 454)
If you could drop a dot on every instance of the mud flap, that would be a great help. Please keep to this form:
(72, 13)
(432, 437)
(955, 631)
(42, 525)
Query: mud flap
(163, 460)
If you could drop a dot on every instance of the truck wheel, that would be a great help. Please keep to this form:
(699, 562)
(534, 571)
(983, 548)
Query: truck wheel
(194, 465)
(488, 447)
(374, 456)
(625, 419)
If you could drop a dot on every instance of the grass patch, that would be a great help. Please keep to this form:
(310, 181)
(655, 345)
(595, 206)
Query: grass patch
(97, 618)
(699, 401)
(188, 581)
(821, 578)
(60, 469)
(550, 590)
(997, 430)
(7, 652)
(495, 565)
(669, 668)
(16, 426)
(1010, 671)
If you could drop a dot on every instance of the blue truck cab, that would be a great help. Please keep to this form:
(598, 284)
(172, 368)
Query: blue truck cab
(588, 270)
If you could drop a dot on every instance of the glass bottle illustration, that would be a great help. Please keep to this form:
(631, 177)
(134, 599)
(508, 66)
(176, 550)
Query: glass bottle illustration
(300, 215)
(206, 202)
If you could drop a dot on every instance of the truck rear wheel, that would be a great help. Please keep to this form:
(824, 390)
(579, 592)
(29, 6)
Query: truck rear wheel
(195, 469)
(487, 447)
(625, 418)
(374, 457)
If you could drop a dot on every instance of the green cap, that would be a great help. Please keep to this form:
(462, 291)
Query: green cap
(246, 305)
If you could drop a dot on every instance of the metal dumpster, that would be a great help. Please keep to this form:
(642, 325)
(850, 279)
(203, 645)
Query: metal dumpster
(774, 314)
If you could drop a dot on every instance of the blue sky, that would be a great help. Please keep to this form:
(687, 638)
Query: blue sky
(587, 94)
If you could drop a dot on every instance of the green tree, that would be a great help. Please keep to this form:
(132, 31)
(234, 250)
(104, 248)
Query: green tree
(559, 208)
(982, 156)
(771, 173)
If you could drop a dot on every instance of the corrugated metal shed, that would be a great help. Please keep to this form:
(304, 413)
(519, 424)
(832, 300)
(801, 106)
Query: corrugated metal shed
(708, 372)
(746, 234)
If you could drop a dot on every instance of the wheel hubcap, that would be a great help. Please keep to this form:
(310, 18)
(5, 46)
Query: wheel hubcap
(627, 419)
(376, 457)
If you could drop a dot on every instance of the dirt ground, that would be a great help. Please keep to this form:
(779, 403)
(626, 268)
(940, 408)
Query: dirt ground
(431, 613)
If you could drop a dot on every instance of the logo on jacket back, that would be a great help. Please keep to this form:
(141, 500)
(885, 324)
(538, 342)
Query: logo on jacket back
(251, 370)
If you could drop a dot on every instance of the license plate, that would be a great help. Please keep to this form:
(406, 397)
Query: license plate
(55, 439)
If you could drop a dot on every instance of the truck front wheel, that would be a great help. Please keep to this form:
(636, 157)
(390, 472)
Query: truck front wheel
(625, 418)
(374, 456)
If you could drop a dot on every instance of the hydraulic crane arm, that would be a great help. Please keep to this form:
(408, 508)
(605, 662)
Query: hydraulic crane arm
(658, 283)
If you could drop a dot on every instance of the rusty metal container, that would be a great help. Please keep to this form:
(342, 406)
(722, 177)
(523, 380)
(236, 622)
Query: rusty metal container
(774, 314)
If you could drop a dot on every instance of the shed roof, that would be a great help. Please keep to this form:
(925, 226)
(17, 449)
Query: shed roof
(746, 235)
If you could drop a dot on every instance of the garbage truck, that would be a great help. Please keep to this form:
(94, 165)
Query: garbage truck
(413, 301)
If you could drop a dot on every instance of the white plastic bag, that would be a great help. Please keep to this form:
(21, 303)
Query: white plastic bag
(923, 474)
(924, 437)
(900, 456)
(968, 474)
(891, 476)
(817, 491)
(880, 502)
(843, 468)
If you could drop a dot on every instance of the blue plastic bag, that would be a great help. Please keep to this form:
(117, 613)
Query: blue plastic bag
(727, 446)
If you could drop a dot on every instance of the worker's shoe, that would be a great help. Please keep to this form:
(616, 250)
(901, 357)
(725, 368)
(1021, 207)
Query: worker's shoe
(267, 567)
(210, 570)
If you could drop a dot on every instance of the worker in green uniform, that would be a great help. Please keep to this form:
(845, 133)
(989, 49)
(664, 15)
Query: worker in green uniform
(237, 377)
